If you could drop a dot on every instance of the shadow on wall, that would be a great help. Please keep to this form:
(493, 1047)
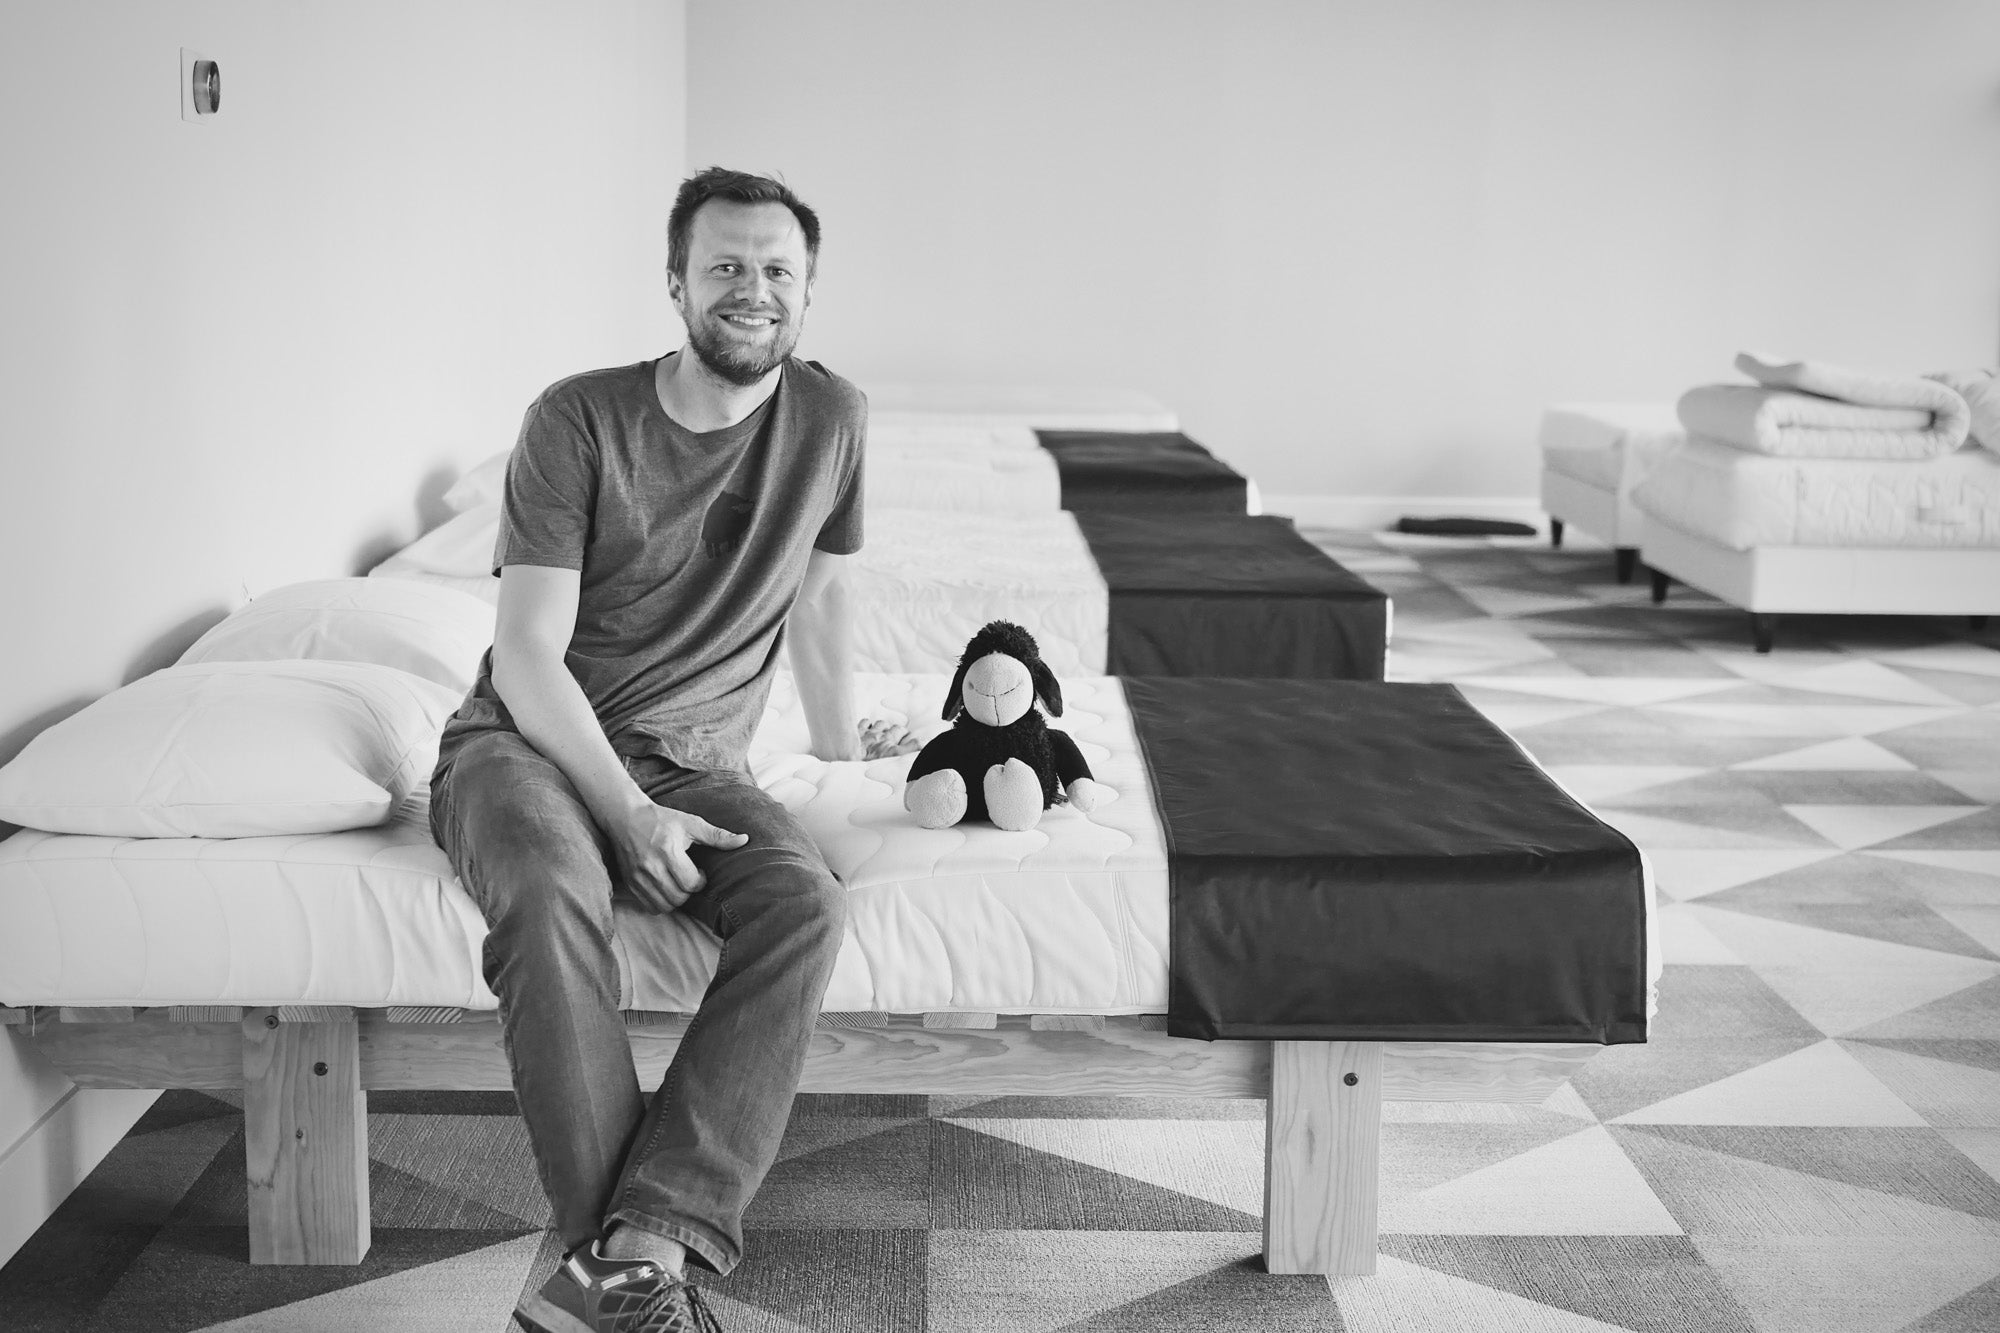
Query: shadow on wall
(431, 512)
(164, 650)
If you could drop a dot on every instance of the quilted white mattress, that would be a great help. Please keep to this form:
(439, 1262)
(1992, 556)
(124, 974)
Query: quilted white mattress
(1607, 445)
(1743, 500)
(926, 581)
(956, 478)
(1069, 917)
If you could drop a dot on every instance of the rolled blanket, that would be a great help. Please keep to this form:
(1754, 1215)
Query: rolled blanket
(1981, 392)
(1811, 409)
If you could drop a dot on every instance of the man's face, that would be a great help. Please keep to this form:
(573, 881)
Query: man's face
(747, 287)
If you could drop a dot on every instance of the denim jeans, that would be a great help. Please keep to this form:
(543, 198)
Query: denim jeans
(685, 1164)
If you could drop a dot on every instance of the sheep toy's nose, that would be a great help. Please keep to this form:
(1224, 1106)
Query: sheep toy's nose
(998, 690)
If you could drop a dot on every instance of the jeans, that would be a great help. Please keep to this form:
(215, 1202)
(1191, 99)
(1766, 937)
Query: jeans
(685, 1164)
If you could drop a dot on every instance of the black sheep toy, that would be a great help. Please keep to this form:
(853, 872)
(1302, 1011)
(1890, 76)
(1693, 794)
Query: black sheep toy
(1001, 761)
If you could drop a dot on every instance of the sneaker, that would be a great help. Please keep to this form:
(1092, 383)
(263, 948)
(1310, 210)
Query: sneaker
(591, 1294)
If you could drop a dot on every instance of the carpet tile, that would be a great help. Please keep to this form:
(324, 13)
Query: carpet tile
(1810, 1142)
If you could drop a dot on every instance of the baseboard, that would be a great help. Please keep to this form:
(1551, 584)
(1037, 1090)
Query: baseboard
(1373, 513)
(38, 1171)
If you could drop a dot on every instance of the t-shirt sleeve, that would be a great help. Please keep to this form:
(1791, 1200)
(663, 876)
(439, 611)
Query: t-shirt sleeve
(841, 533)
(551, 492)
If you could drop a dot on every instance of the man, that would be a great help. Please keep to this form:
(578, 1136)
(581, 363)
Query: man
(663, 524)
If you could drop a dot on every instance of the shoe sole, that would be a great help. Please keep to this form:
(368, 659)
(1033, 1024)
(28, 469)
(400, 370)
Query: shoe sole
(539, 1316)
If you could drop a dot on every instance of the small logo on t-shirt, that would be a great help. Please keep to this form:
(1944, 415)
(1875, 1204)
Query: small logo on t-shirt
(728, 519)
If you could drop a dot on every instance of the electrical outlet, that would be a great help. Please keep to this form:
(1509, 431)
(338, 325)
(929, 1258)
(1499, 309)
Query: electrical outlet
(201, 86)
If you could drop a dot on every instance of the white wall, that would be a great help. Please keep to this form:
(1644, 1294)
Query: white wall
(254, 350)
(1360, 245)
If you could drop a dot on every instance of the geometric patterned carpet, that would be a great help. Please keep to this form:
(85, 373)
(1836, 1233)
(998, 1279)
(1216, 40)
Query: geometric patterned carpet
(1810, 1142)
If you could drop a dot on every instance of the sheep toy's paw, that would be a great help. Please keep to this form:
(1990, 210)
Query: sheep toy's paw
(1013, 796)
(936, 799)
(1086, 794)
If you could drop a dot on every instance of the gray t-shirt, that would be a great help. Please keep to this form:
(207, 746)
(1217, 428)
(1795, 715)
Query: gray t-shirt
(692, 548)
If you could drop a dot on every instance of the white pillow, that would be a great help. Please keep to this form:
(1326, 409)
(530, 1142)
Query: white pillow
(483, 485)
(462, 547)
(435, 632)
(233, 750)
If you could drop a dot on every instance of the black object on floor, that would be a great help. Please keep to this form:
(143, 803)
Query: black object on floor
(1470, 527)
(1231, 595)
(1409, 874)
(1142, 472)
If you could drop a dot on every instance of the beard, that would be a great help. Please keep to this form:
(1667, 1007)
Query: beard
(734, 361)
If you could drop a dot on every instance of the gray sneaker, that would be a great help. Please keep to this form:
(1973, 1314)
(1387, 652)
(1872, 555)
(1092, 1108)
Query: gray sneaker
(591, 1294)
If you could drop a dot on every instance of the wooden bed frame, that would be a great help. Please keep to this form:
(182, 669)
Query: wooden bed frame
(305, 1073)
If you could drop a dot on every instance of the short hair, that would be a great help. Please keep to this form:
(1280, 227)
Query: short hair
(739, 187)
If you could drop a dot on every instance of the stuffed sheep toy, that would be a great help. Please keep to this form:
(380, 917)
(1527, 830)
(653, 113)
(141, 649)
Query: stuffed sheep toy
(1001, 761)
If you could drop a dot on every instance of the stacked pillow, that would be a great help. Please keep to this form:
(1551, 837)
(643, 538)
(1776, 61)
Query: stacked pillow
(314, 709)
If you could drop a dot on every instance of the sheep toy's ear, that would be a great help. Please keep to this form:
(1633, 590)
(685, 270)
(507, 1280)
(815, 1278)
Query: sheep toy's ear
(1046, 687)
(954, 700)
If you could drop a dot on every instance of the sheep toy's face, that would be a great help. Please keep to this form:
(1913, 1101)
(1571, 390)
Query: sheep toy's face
(997, 690)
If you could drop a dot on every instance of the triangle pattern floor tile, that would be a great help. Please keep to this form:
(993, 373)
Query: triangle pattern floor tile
(1037, 1281)
(1981, 1147)
(982, 1181)
(1909, 1163)
(1419, 1155)
(1220, 1162)
(1651, 829)
(1511, 716)
(1968, 738)
(1720, 1194)
(1852, 826)
(739, 1317)
(1947, 1095)
(465, 1172)
(1851, 753)
(1627, 691)
(1581, 1184)
(1842, 983)
(1241, 1295)
(833, 1278)
(1977, 828)
(1977, 1311)
(1590, 783)
(1557, 1113)
(1403, 1297)
(1871, 1284)
(1863, 896)
(1820, 1085)
(1978, 784)
(1983, 862)
(1687, 873)
(1786, 727)
(465, 1293)
(1649, 1284)
(859, 1182)
(1860, 679)
(1684, 940)
(810, 1134)
(1968, 658)
(1980, 924)
(1972, 1012)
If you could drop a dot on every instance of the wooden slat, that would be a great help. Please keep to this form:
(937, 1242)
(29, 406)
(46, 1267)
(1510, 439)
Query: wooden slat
(202, 1013)
(1321, 1159)
(1066, 1023)
(150, 1052)
(102, 1013)
(854, 1020)
(948, 1018)
(1478, 1071)
(314, 1013)
(656, 1020)
(11, 1018)
(405, 1013)
(305, 1131)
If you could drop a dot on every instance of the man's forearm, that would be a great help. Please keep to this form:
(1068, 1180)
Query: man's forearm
(821, 639)
(552, 714)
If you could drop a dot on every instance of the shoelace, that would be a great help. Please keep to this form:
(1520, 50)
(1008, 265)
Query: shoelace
(667, 1301)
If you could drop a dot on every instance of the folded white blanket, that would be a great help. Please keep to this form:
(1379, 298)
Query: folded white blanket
(1981, 392)
(1809, 409)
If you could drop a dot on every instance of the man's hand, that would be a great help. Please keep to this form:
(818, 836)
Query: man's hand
(651, 844)
(883, 739)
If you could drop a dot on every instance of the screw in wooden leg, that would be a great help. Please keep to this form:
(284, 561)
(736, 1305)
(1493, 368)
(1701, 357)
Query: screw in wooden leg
(1322, 1157)
(305, 1131)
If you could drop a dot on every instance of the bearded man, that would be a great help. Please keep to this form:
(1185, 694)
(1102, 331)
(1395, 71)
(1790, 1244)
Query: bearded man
(665, 527)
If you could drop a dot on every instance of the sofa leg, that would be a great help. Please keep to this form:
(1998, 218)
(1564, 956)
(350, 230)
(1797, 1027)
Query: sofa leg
(305, 1132)
(1660, 583)
(1321, 1157)
(1763, 630)
(1556, 533)
(1628, 562)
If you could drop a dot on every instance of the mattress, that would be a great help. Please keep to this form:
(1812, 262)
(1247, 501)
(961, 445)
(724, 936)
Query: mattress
(1069, 917)
(1143, 472)
(1595, 442)
(995, 479)
(1742, 500)
(1004, 405)
(1385, 793)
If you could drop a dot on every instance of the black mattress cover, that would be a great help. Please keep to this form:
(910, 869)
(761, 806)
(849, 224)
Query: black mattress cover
(1130, 472)
(1232, 595)
(1377, 862)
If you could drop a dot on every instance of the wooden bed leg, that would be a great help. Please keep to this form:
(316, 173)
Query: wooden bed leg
(1763, 630)
(1556, 533)
(1321, 1169)
(1626, 559)
(305, 1130)
(1660, 584)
